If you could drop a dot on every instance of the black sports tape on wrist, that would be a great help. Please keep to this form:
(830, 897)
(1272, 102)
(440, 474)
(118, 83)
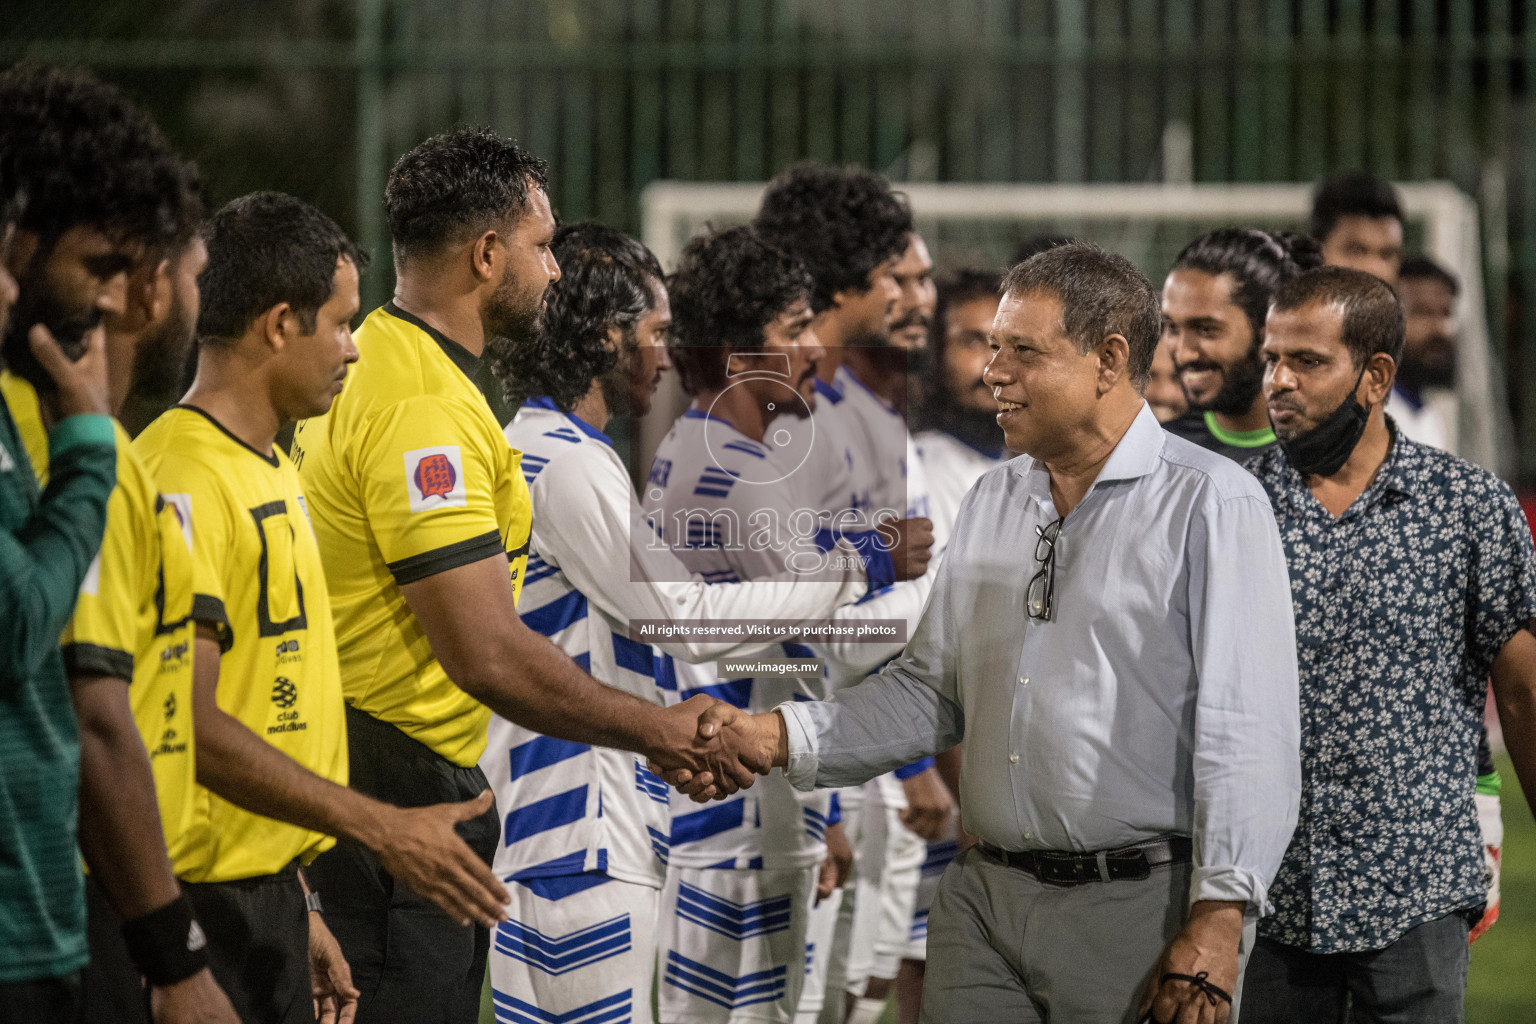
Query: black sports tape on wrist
(167, 944)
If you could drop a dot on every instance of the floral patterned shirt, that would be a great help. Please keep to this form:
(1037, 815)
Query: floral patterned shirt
(1402, 603)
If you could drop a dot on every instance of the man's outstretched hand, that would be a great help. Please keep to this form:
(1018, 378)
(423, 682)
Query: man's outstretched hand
(743, 745)
(419, 846)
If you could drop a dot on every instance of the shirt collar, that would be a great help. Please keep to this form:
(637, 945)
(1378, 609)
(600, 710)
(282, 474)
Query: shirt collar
(1400, 473)
(1137, 452)
(1135, 455)
(831, 392)
(845, 376)
(467, 362)
(1404, 465)
(545, 402)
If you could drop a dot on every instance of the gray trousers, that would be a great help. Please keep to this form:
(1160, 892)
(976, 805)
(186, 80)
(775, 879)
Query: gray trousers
(1004, 948)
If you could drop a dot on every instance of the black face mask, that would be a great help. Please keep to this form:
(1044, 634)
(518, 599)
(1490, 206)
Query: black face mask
(1326, 447)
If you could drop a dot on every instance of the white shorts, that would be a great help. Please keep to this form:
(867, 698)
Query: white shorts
(818, 955)
(575, 950)
(936, 858)
(732, 944)
(889, 858)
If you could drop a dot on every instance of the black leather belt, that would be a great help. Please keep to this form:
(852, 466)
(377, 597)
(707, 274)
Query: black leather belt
(1059, 867)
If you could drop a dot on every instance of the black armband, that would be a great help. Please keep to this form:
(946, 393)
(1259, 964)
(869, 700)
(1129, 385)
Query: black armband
(167, 944)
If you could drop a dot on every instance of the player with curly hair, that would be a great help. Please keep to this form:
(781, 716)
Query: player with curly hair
(594, 570)
(104, 193)
(620, 285)
(872, 275)
(752, 868)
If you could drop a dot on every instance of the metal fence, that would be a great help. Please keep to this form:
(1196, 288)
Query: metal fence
(616, 93)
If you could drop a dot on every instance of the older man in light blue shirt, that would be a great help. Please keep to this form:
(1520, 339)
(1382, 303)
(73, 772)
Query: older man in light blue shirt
(1111, 635)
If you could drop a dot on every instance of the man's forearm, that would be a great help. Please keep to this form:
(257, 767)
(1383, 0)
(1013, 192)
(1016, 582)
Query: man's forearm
(539, 687)
(1514, 692)
(239, 766)
(120, 831)
(1517, 719)
(881, 724)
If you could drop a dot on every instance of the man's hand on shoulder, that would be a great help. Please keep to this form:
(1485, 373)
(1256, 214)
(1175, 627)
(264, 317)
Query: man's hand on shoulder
(1205, 948)
(723, 750)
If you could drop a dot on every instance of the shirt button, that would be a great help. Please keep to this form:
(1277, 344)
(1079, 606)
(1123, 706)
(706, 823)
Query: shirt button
(1023, 680)
(1028, 836)
(1013, 758)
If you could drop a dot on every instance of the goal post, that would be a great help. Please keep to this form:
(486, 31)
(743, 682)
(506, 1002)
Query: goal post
(981, 224)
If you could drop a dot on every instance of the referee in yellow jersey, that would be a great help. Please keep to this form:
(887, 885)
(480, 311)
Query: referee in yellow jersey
(278, 296)
(423, 518)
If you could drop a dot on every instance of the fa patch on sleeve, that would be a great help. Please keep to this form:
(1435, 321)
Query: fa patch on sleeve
(434, 478)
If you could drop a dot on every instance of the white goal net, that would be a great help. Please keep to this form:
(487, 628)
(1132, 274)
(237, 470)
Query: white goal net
(981, 225)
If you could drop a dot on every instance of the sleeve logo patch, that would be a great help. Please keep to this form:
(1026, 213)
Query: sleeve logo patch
(181, 505)
(434, 478)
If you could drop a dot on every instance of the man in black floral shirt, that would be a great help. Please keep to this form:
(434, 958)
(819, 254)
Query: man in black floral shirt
(1414, 580)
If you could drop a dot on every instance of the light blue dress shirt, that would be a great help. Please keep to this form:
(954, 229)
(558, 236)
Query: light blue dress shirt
(1160, 698)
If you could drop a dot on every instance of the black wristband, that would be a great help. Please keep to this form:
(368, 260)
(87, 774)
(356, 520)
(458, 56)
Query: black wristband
(167, 944)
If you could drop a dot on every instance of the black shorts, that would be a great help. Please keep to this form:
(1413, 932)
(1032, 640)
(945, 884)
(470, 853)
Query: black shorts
(41, 1000)
(258, 944)
(114, 989)
(411, 961)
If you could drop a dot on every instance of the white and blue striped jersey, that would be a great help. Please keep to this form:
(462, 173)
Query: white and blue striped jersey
(727, 508)
(952, 468)
(568, 808)
(884, 473)
(880, 472)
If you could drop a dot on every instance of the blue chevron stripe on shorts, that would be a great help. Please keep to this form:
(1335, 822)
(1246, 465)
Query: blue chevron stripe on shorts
(560, 954)
(733, 920)
(720, 988)
(614, 1009)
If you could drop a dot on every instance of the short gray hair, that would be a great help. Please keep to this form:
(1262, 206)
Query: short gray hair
(1101, 293)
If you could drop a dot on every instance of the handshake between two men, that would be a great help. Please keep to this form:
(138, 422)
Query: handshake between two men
(718, 749)
(728, 750)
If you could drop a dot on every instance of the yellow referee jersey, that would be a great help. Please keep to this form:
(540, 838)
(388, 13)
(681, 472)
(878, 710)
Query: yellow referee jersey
(133, 618)
(258, 579)
(22, 399)
(409, 475)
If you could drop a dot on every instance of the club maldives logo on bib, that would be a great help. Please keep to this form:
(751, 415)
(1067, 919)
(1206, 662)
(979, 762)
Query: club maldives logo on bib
(434, 478)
